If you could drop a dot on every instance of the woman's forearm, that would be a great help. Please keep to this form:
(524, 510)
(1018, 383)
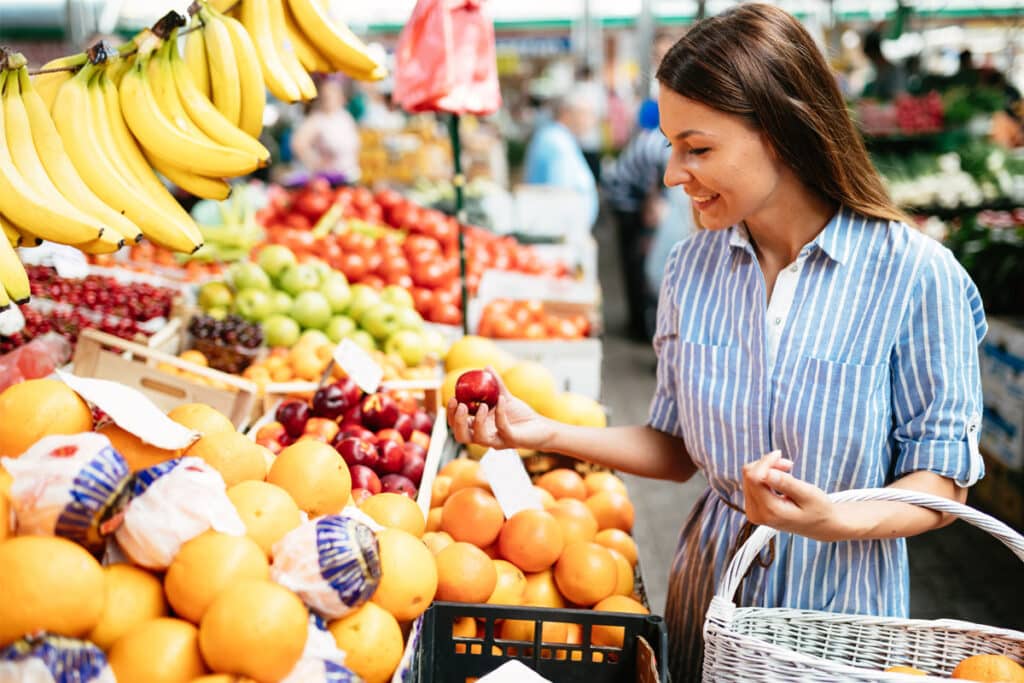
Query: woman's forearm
(639, 450)
(883, 520)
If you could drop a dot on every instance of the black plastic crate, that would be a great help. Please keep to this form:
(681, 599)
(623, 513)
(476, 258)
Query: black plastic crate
(443, 658)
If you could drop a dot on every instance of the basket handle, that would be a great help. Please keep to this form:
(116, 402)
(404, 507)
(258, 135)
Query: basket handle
(761, 536)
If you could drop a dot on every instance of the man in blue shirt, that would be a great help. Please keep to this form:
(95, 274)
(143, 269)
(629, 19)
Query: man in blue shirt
(554, 157)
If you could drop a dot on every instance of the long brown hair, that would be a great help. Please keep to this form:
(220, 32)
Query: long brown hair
(758, 62)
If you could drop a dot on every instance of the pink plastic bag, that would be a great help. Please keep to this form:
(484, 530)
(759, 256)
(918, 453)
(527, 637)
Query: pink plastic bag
(446, 59)
(34, 360)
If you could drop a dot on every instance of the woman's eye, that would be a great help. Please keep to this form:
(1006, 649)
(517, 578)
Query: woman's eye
(699, 151)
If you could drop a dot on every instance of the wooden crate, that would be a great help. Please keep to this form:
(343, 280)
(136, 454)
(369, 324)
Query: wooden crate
(105, 356)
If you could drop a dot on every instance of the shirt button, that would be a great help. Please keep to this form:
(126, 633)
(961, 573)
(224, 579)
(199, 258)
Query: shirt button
(778, 321)
(793, 268)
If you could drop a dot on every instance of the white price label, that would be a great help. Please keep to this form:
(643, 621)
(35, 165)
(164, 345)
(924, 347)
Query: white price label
(510, 481)
(358, 365)
(132, 411)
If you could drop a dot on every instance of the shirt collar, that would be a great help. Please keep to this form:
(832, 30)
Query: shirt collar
(833, 240)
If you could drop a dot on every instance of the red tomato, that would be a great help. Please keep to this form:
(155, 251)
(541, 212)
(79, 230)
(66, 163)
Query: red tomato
(403, 280)
(374, 260)
(362, 198)
(535, 330)
(374, 281)
(423, 299)
(374, 214)
(505, 328)
(394, 265)
(353, 265)
(535, 309)
(446, 314)
(428, 274)
(297, 221)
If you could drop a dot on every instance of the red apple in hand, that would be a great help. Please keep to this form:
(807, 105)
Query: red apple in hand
(476, 388)
(358, 452)
(396, 483)
(364, 478)
(392, 457)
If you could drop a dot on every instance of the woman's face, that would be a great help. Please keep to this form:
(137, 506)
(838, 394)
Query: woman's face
(726, 167)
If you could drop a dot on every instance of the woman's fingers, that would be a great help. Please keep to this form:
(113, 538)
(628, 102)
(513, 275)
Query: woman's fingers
(460, 424)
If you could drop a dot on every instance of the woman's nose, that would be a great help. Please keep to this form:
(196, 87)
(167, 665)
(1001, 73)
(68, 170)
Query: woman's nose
(675, 175)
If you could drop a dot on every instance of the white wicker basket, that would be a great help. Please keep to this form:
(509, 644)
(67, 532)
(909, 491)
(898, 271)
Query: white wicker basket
(748, 644)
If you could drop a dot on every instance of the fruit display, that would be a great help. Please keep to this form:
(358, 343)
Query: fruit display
(146, 257)
(531, 319)
(905, 115)
(229, 344)
(419, 151)
(382, 437)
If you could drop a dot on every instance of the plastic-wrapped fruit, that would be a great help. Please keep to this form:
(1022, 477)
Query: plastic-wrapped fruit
(332, 563)
(293, 415)
(34, 658)
(69, 486)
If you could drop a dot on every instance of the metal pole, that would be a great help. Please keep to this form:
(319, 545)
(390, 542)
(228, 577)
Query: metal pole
(702, 9)
(459, 181)
(645, 39)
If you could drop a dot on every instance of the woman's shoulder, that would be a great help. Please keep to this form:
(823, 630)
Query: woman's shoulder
(904, 244)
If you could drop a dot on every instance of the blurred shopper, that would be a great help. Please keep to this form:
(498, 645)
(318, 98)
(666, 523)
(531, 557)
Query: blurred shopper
(379, 112)
(592, 137)
(327, 141)
(554, 156)
(633, 188)
(889, 79)
(809, 341)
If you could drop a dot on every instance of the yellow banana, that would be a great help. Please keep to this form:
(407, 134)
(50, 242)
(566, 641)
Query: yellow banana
(165, 141)
(334, 40)
(5, 301)
(26, 206)
(13, 278)
(85, 123)
(47, 84)
(12, 235)
(224, 84)
(307, 88)
(255, 16)
(195, 57)
(207, 117)
(62, 172)
(222, 5)
(310, 58)
(250, 75)
(28, 240)
(165, 93)
(198, 185)
(108, 243)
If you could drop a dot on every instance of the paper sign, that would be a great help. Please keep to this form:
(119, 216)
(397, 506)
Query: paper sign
(513, 671)
(358, 365)
(510, 482)
(132, 411)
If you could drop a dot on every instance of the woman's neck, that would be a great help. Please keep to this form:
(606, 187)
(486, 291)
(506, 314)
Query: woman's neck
(791, 219)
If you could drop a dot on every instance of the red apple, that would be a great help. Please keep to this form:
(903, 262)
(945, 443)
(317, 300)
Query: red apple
(359, 495)
(293, 415)
(404, 425)
(358, 431)
(358, 452)
(477, 388)
(421, 421)
(415, 461)
(421, 438)
(379, 412)
(330, 401)
(390, 435)
(353, 394)
(354, 415)
(392, 457)
(396, 483)
(322, 426)
(365, 479)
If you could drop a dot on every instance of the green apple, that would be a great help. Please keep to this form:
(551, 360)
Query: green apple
(253, 304)
(215, 295)
(280, 330)
(434, 342)
(381, 321)
(339, 327)
(314, 338)
(299, 278)
(399, 297)
(364, 297)
(311, 310)
(409, 319)
(363, 339)
(337, 292)
(282, 302)
(218, 313)
(274, 258)
(248, 276)
(323, 270)
(407, 345)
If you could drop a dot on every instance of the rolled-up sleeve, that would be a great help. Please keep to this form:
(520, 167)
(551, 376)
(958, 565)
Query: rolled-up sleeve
(664, 410)
(936, 385)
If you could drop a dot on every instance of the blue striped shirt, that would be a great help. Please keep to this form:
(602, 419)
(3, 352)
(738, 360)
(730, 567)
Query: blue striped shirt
(876, 377)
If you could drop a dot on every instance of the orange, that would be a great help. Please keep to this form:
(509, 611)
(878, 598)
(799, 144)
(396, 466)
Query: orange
(137, 453)
(267, 511)
(988, 668)
(546, 499)
(458, 467)
(439, 490)
(395, 511)
(542, 591)
(625, 580)
(574, 636)
(408, 575)
(234, 455)
(613, 636)
(434, 519)
(162, 650)
(436, 541)
(255, 628)
(371, 639)
(37, 408)
(510, 588)
(596, 482)
(468, 479)
(612, 510)
(133, 596)
(206, 566)
(586, 573)
(472, 515)
(201, 418)
(909, 670)
(464, 627)
(492, 551)
(563, 483)
(532, 540)
(576, 520)
(315, 476)
(465, 574)
(617, 539)
(550, 632)
(194, 356)
(48, 584)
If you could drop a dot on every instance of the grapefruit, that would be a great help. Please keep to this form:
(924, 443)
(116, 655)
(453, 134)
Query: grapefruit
(201, 418)
(541, 590)
(465, 574)
(234, 455)
(436, 541)
(133, 596)
(619, 540)
(563, 483)
(988, 669)
(408, 575)
(576, 520)
(531, 540)
(267, 511)
(532, 383)
(371, 639)
(603, 481)
(472, 515)
(36, 408)
(396, 511)
(510, 588)
(471, 352)
(315, 475)
(163, 650)
(613, 636)
(612, 510)
(586, 573)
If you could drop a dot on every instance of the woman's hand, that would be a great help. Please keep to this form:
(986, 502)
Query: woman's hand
(773, 497)
(512, 423)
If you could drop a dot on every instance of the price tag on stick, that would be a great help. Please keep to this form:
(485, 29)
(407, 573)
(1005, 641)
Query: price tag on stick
(358, 365)
(510, 481)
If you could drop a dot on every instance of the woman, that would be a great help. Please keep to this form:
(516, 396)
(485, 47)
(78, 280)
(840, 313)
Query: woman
(327, 141)
(807, 321)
